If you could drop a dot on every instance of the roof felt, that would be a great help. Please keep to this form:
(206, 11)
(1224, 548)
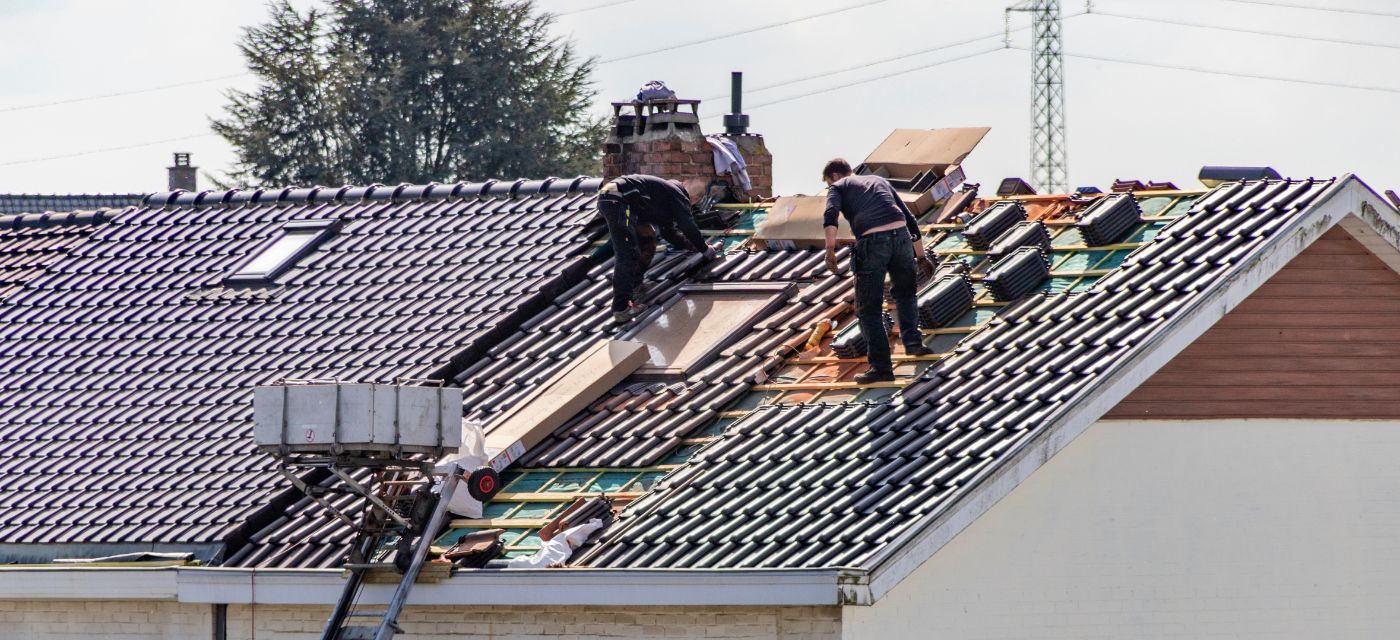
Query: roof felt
(17, 203)
(816, 486)
(127, 368)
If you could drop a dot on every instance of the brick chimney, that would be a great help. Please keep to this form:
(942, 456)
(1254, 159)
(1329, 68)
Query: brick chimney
(663, 138)
(182, 175)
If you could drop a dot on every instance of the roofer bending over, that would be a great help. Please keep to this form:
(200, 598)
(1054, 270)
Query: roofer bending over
(632, 202)
(887, 241)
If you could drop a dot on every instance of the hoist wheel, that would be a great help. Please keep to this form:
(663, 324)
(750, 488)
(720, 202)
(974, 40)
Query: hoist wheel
(483, 484)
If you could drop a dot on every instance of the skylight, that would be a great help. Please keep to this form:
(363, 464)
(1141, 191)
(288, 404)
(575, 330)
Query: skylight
(297, 239)
(690, 329)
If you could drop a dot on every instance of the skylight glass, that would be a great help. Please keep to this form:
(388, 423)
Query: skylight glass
(297, 239)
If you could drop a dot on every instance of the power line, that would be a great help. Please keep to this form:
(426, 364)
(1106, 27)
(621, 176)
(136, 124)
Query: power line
(106, 150)
(39, 105)
(857, 83)
(596, 6)
(1259, 32)
(734, 34)
(1233, 74)
(894, 58)
(1362, 12)
(871, 63)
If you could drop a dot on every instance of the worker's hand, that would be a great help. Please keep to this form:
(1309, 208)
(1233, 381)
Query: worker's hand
(926, 268)
(919, 249)
(831, 260)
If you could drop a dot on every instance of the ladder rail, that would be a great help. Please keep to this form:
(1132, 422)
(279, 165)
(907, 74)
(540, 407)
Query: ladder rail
(389, 626)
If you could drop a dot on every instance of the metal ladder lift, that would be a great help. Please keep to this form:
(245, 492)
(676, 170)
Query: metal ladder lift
(391, 499)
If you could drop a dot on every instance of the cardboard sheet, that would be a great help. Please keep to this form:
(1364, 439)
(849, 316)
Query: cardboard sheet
(907, 152)
(585, 379)
(795, 222)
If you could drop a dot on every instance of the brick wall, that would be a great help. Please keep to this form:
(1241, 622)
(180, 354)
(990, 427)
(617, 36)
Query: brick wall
(110, 620)
(173, 621)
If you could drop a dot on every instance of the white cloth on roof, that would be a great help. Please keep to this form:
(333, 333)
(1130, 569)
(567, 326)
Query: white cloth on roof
(555, 551)
(729, 160)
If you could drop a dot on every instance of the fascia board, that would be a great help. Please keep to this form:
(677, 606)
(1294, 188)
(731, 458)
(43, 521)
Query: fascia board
(74, 583)
(554, 587)
(1349, 196)
(557, 587)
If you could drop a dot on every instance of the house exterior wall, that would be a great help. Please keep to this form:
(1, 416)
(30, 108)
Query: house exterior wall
(1258, 528)
(138, 620)
(1321, 339)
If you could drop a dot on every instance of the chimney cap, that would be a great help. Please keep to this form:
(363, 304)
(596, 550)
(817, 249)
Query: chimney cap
(182, 159)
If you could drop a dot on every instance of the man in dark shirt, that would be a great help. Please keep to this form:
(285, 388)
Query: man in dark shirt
(887, 241)
(632, 202)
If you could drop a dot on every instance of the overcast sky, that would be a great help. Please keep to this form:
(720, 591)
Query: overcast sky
(1124, 121)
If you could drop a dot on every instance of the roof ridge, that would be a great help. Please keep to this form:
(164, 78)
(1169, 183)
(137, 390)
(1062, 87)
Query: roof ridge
(351, 193)
(52, 219)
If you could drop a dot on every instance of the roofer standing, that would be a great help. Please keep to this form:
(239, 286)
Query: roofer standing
(630, 201)
(887, 241)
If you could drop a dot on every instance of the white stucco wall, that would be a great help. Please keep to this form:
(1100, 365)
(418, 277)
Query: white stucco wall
(1174, 530)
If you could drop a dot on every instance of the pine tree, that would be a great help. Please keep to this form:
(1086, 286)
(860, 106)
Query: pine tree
(415, 91)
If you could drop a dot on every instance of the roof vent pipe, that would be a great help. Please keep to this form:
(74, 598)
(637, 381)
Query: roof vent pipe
(736, 123)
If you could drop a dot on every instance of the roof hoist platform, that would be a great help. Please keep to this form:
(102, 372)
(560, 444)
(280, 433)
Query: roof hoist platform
(378, 443)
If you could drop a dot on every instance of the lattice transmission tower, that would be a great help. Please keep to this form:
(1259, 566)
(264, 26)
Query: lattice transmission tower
(1048, 153)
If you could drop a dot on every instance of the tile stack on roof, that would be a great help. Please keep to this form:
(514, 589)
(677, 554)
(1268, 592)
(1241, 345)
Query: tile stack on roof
(810, 486)
(127, 368)
(31, 242)
(17, 203)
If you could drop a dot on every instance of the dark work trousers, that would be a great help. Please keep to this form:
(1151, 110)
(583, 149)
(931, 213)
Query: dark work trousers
(627, 255)
(876, 254)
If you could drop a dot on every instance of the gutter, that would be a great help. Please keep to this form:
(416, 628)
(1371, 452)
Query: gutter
(523, 587)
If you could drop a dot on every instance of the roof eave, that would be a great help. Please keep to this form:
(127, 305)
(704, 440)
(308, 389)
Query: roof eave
(542, 587)
(1348, 196)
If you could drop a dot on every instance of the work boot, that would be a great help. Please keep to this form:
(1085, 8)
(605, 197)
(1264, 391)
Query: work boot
(917, 350)
(874, 375)
(710, 254)
(626, 315)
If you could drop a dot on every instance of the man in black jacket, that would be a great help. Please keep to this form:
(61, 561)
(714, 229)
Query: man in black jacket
(887, 242)
(630, 202)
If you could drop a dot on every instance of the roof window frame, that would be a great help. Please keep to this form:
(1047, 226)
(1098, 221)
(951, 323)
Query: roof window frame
(778, 293)
(316, 231)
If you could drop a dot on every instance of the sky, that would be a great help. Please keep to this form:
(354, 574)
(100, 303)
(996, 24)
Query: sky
(1123, 120)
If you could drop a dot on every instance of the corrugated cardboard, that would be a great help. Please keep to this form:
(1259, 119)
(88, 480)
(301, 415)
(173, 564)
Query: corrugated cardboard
(796, 222)
(585, 379)
(907, 152)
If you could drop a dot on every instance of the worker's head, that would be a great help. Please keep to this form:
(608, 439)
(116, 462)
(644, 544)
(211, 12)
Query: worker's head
(695, 188)
(835, 169)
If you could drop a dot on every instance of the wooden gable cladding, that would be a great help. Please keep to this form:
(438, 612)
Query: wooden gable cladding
(1321, 339)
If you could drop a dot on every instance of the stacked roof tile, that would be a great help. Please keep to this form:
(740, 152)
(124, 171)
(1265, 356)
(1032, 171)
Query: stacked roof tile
(127, 368)
(814, 486)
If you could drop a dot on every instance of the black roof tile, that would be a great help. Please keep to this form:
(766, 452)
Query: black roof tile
(134, 329)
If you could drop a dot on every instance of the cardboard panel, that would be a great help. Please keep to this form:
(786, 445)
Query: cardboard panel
(796, 222)
(585, 379)
(907, 152)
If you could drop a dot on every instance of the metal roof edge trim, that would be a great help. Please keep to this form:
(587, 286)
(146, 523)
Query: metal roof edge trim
(890, 565)
(401, 192)
(541, 587)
